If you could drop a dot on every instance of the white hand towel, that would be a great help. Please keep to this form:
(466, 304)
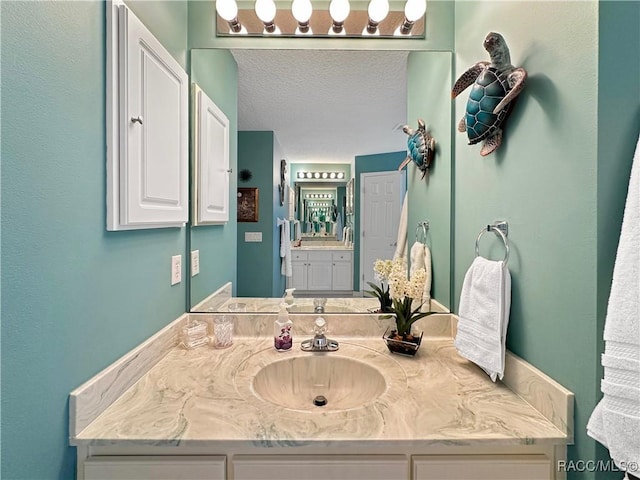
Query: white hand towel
(420, 256)
(426, 295)
(297, 230)
(285, 247)
(483, 315)
(401, 241)
(615, 422)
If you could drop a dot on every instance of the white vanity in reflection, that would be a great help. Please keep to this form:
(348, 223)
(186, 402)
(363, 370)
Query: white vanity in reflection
(321, 269)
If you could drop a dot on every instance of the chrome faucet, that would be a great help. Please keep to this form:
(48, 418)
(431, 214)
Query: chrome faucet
(318, 305)
(319, 342)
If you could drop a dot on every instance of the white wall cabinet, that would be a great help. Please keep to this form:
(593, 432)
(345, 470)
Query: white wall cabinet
(322, 270)
(155, 468)
(211, 161)
(147, 128)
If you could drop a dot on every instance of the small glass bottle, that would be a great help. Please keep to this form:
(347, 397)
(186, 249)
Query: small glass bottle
(283, 330)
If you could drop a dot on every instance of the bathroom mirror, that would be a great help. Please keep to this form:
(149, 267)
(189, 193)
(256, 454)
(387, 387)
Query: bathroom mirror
(314, 142)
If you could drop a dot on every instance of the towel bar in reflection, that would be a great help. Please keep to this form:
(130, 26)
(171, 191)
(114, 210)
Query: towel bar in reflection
(501, 229)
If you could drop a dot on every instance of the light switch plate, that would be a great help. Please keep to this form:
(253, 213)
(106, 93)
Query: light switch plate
(176, 269)
(195, 262)
(253, 236)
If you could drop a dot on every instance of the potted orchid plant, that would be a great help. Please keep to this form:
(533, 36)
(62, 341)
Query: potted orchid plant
(406, 295)
(382, 269)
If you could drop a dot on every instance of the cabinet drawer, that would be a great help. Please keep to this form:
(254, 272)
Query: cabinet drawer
(320, 467)
(298, 255)
(155, 467)
(342, 256)
(482, 467)
(320, 256)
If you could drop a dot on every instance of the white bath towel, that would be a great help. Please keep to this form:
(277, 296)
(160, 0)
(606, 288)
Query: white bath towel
(420, 256)
(285, 247)
(615, 422)
(483, 315)
(401, 241)
(339, 227)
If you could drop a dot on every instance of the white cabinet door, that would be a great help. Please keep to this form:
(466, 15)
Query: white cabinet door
(319, 275)
(148, 128)
(482, 467)
(342, 276)
(211, 161)
(155, 468)
(298, 279)
(320, 467)
(342, 273)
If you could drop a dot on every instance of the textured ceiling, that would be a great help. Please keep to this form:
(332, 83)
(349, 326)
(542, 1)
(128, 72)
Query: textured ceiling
(324, 106)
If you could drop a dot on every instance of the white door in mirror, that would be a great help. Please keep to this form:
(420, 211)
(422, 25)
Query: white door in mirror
(211, 165)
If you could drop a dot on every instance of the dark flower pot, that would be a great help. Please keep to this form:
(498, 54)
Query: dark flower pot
(402, 344)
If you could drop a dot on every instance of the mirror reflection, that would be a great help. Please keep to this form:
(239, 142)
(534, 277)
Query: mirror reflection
(321, 112)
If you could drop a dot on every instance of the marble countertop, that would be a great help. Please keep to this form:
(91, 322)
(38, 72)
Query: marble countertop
(203, 397)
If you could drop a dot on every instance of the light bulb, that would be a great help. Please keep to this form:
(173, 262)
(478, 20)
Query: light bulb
(339, 10)
(266, 10)
(301, 10)
(378, 10)
(227, 9)
(414, 9)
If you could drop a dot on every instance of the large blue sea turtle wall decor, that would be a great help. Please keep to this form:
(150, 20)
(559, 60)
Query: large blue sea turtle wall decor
(496, 85)
(421, 147)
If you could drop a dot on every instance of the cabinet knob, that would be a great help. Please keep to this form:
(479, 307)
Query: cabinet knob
(137, 119)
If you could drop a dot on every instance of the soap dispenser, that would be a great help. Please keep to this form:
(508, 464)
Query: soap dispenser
(288, 297)
(283, 330)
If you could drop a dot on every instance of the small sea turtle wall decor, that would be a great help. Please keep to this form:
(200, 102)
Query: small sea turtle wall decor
(496, 85)
(421, 147)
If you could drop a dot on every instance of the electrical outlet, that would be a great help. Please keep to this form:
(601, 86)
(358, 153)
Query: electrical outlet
(195, 262)
(176, 269)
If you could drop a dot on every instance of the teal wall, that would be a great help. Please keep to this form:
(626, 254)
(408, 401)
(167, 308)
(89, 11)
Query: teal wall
(380, 162)
(74, 297)
(259, 263)
(216, 72)
(550, 180)
(429, 98)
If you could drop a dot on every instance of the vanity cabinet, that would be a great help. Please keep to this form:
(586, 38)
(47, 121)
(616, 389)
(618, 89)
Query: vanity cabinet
(188, 467)
(321, 270)
(147, 128)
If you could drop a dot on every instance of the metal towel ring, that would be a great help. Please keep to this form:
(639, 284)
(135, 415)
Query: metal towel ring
(498, 232)
(424, 228)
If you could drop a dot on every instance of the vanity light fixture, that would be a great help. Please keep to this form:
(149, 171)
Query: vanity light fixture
(301, 11)
(377, 11)
(266, 12)
(413, 11)
(320, 175)
(339, 11)
(379, 19)
(228, 10)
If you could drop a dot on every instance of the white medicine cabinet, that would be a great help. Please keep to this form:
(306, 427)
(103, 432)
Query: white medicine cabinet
(147, 128)
(211, 161)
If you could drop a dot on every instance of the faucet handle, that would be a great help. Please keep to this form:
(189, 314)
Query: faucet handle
(320, 327)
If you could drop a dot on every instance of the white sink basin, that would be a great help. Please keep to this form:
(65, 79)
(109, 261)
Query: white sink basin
(353, 378)
(295, 383)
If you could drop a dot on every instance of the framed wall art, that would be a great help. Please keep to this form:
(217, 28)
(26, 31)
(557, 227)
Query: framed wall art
(247, 204)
